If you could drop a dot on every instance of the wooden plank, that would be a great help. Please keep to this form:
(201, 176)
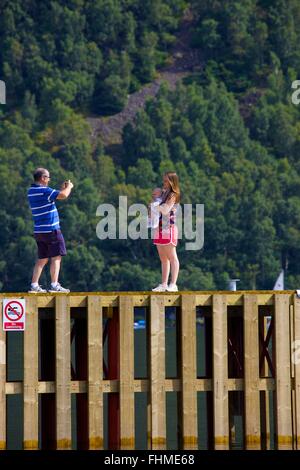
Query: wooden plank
(205, 299)
(149, 408)
(204, 385)
(2, 381)
(126, 318)
(45, 301)
(173, 300)
(189, 373)
(220, 373)
(46, 387)
(294, 412)
(140, 300)
(31, 369)
(173, 385)
(283, 372)
(141, 385)
(63, 371)
(235, 385)
(251, 348)
(110, 386)
(235, 298)
(95, 373)
(78, 301)
(13, 388)
(117, 294)
(157, 367)
(79, 386)
(110, 301)
(267, 384)
(296, 362)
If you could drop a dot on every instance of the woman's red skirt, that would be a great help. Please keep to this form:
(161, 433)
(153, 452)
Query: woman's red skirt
(166, 236)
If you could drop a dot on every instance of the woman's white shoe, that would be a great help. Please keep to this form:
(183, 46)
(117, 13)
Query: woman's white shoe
(172, 288)
(160, 288)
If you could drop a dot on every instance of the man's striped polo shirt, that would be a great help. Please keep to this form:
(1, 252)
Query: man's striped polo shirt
(41, 200)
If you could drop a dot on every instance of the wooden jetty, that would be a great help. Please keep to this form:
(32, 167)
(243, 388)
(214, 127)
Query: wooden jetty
(251, 368)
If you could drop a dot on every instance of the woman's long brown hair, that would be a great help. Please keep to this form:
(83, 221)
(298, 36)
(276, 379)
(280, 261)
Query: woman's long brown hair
(174, 190)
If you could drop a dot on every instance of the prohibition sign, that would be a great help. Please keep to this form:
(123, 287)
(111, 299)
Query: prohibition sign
(15, 309)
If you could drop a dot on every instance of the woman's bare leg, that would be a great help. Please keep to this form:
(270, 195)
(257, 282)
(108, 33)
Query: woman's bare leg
(165, 264)
(174, 262)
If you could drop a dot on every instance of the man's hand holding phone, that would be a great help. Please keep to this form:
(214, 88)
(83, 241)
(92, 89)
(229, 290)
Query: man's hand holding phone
(67, 184)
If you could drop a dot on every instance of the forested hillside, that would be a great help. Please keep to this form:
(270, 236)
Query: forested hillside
(230, 130)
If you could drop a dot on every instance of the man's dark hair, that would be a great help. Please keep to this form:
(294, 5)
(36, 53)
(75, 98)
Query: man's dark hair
(38, 173)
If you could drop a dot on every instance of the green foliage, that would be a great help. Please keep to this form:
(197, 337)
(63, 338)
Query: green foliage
(86, 53)
(242, 35)
(231, 133)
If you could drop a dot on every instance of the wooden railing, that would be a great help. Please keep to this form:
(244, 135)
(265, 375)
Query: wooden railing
(249, 348)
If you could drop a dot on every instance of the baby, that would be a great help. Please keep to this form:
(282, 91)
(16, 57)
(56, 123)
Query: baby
(153, 213)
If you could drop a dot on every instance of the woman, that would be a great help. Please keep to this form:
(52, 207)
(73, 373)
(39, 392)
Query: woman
(167, 233)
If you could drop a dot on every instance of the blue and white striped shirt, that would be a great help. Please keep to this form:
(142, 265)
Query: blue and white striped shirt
(41, 200)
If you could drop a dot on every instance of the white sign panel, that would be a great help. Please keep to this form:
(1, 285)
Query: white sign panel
(14, 314)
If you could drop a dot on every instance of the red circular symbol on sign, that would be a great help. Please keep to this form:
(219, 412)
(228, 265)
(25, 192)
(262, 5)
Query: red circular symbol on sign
(14, 310)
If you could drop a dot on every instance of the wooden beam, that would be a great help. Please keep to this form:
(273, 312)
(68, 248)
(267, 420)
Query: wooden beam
(95, 373)
(127, 424)
(113, 374)
(158, 367)
(294, 411)
(45, 301)
(78, 301)
(63, 371)
(149, 408)
(283, 372)
(189, 373)
(31, 369)
(296, 362)
(220, 373)
(2, 382)
(251, 363)
(13, 388)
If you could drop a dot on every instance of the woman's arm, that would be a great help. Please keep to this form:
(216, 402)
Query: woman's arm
(167, 206)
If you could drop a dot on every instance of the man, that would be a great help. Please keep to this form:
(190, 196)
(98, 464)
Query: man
(49, 239)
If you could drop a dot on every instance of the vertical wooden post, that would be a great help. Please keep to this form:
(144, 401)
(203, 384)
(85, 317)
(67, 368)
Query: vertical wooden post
(149, 418)
(113, 374)
(126, 372)
(95, 372)
(81, 355)
(158, 371)
(283, 372)
(220, 372)
(251, 366)
(208, 374)
(293, 386)
(2, 382)
(189, 372)
(63, 371)
(31, 368)
(296, 361)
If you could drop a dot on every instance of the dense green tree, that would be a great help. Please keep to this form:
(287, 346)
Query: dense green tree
(230, 131)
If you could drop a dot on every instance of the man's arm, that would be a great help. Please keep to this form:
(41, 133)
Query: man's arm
(66, 190)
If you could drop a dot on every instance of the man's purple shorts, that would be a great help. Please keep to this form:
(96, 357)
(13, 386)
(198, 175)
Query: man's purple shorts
(50, 244)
